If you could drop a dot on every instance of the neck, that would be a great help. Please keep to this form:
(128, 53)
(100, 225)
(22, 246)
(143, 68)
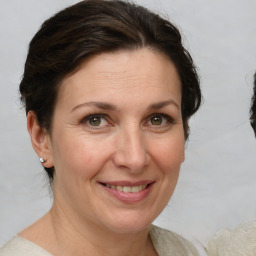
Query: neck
(72, 238)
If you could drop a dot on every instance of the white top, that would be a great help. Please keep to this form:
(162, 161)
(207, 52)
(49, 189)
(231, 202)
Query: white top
(239, 242)
(165, 242)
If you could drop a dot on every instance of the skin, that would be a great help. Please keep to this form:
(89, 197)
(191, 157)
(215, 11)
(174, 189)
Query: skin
(135, 135)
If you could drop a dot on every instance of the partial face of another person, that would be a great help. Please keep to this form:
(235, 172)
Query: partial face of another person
(117, 140)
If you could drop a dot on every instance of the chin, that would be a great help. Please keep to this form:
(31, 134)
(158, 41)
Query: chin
(130, 223)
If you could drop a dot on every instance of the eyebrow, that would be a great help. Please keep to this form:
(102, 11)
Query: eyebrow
(108, 106)
(163, 104)
(100, 105)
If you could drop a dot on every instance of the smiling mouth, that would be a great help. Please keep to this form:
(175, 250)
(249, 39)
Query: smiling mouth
(127, 189)
(128, 192)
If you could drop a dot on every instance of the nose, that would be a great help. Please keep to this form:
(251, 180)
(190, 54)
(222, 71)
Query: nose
(131, 150)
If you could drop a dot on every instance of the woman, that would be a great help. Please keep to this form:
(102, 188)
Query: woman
(108, 90)
(242, 240)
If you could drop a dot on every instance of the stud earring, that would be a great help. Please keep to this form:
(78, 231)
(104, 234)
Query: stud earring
(42, 160)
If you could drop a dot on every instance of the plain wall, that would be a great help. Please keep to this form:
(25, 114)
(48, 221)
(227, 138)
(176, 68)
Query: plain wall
(217, 185)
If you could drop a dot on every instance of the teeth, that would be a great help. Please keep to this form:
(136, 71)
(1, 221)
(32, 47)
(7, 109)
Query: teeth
(135, 189)
(119, 188)
(127, 189)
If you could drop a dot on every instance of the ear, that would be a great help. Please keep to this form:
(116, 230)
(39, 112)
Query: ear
(40, 139)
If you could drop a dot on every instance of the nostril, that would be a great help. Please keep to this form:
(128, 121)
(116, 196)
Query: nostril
(130, 152)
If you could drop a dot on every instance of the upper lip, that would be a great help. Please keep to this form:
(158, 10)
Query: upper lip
(127, 183)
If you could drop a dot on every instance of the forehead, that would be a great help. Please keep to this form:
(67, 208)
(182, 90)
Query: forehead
(126, 72)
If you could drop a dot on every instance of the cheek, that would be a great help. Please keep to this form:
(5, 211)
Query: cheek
(79, 158)
(170, 154)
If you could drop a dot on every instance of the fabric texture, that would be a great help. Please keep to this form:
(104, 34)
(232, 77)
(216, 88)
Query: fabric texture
(168, 243)
(238, 242)
(165, 242)
(19, 246)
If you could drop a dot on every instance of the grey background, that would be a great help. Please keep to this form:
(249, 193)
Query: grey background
(217, 185)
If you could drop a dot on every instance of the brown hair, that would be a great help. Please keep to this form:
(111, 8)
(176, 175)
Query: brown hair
(91, 27)
(253, 107)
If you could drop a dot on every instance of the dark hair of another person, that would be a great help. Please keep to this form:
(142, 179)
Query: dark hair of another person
(253, 107)
(91, 27)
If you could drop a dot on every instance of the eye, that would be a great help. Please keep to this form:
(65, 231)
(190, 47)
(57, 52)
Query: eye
(96, 120)
(160, 120)
(156, 120)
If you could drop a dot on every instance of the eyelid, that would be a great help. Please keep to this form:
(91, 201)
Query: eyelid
(168, 118)
(85, 119)
(97, 115)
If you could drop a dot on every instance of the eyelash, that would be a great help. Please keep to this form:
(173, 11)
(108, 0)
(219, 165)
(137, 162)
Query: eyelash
(98, 115)
(168, 119)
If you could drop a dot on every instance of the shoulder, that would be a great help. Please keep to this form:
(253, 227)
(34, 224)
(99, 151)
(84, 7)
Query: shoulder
(19, 246)
(169, 243)
(240, 241)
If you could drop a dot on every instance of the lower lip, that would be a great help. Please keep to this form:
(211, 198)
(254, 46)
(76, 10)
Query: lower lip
(129, 198)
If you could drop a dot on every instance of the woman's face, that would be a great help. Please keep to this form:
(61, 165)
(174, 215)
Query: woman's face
(117, 140)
